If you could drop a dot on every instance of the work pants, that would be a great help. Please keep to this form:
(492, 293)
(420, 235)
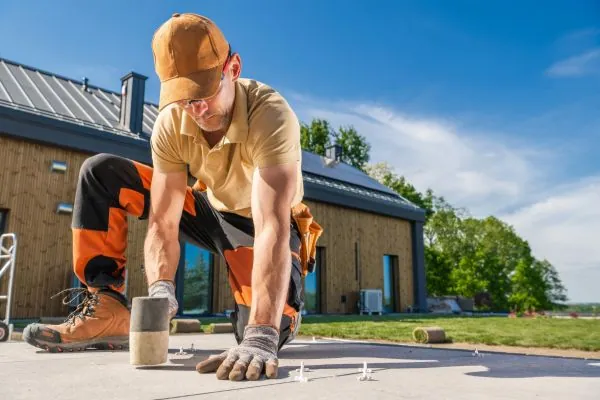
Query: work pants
(111, 187)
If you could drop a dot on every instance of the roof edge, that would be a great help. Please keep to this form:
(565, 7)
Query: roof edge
(385, 190)
(67, 134)
(43, 129)
(323, 194)
(392, 193)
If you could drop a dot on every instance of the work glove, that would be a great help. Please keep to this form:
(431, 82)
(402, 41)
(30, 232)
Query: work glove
(165, 289)
(256, 353)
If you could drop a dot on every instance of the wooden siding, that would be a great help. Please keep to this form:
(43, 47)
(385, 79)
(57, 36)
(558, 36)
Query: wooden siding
(136, 277)
(223, 296)
(31, 192)
(377, 235)
(44, 256)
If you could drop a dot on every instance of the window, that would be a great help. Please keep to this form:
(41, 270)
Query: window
(313, 284)
(390, 283)
(3, 222)
(195, 281)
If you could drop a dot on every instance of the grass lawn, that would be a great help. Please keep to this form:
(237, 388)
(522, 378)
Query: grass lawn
(580, 334)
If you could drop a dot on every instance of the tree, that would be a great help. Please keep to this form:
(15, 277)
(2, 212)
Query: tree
(537, 285)
(444, 228)
(556, 293)
(319, 135)
(437, 272)
(481, 254)
(384, 174)
(315, 137)
(528, 287)
(355, 149)
(197, 284)
(489, 252)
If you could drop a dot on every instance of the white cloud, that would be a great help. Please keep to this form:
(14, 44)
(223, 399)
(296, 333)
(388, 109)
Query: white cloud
(582, 64)
(488, 174)
(565, 229)
(481, 172)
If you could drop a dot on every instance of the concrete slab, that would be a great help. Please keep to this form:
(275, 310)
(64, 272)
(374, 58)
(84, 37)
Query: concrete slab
(398, 372)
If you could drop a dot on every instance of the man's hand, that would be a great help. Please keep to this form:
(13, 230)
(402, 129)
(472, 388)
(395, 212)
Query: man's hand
(256, 353)
(165, 289)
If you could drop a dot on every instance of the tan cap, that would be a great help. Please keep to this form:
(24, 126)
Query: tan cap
(189, 53)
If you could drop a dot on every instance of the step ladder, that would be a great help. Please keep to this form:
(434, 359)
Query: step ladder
(8, 252)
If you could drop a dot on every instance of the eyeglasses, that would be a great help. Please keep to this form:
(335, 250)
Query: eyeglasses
(189, 103)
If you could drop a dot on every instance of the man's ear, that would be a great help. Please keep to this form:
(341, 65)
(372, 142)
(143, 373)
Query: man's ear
(236, 66)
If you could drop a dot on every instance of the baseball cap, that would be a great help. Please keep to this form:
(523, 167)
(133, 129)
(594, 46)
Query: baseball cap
(189, 53)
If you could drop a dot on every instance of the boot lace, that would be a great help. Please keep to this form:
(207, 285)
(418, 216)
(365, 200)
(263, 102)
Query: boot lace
(86, 308)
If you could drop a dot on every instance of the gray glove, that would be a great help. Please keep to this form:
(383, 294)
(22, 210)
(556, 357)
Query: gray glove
(165, 289)
(257, 352)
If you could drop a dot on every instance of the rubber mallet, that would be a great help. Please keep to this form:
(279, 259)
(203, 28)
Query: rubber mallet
(149, 331)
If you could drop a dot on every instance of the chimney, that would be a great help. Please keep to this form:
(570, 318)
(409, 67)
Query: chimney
(132, 102)
(334, 152)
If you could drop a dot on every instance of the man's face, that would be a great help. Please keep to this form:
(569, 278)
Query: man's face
(214, 113)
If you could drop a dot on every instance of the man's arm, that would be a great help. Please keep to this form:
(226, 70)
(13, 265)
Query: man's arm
(275, 153)
(272, 194)
(161, 246)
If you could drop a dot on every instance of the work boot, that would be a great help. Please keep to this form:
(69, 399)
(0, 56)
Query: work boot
(100, 321)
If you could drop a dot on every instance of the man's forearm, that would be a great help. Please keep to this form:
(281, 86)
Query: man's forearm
(270, 274)
(161, 254)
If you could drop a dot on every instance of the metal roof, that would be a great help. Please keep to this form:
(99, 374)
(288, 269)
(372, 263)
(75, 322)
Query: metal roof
(319, 165)
(49, 94)
(44, 94)
(356, 189)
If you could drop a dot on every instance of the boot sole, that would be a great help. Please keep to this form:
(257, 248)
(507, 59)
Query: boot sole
(107, 343)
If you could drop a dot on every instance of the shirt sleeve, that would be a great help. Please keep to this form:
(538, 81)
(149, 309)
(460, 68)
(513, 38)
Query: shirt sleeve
(165, 145)
(276, 132)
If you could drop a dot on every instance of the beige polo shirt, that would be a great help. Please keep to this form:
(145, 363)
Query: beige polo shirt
(264, 131)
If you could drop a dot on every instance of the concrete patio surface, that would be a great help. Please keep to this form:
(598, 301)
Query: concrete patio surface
(398, 372)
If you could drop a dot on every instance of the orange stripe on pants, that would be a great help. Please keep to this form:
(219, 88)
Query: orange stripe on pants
(240, 263)
(111, 244)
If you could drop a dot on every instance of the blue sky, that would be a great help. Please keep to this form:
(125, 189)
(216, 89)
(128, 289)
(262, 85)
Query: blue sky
(494, 105)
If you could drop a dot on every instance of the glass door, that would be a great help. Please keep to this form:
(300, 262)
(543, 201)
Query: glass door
(389, 284)
(196, 282)
(3, 218)
(312, 284)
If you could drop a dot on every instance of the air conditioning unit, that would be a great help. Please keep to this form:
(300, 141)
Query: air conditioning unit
(371, 301)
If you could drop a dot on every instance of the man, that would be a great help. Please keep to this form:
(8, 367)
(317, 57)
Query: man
(240, 140)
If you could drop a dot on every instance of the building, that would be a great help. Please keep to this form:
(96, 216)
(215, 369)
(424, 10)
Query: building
(49, 124)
